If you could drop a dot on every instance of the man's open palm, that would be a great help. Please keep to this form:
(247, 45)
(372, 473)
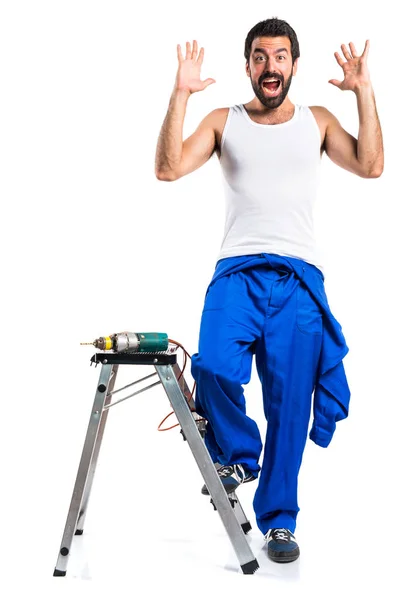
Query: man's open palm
(188, 74)
(356, 72)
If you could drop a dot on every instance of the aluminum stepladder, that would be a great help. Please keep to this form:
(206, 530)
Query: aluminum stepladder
(181, 400)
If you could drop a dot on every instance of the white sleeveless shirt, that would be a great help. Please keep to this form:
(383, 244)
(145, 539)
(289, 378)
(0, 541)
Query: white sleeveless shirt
(270, 176)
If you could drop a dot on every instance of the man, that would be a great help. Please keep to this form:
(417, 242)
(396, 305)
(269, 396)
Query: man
(267, 295)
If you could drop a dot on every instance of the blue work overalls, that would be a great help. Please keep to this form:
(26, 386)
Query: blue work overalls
(274, 307)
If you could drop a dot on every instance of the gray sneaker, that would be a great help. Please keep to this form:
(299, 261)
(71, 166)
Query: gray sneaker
(281, 545)
(231, 476)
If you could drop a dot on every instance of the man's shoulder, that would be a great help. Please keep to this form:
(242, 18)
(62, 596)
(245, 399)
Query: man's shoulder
(218, 114)
(321, 114)
(217, 118)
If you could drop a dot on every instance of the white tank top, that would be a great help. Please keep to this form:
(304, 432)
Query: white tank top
(270, 176)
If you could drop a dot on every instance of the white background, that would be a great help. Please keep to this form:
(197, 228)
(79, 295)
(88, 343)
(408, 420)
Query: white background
(92, 243)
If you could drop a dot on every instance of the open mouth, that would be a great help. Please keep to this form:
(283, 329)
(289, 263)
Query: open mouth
(271, 88)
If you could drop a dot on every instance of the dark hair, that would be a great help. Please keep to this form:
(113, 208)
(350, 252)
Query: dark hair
(272, 28)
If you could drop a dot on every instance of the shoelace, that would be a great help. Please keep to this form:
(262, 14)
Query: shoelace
(225, 471)
(278, 534)
(281, 534)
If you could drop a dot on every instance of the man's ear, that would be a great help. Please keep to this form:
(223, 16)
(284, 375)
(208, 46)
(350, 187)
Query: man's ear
(247, 69)
(295, 67)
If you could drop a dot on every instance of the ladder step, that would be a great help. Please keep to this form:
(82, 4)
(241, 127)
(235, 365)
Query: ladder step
(246, 527)
(134, 358)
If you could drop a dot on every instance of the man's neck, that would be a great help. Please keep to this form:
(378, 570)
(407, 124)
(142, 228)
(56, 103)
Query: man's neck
(270, 116)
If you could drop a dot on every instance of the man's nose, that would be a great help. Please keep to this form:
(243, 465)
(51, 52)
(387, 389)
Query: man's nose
(271, 66)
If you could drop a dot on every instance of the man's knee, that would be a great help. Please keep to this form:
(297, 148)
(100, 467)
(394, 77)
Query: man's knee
(208, 367)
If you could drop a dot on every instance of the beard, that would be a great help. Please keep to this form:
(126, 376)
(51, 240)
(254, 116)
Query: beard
(272, 101)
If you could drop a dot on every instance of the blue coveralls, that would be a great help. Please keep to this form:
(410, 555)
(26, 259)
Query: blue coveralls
(276, 308)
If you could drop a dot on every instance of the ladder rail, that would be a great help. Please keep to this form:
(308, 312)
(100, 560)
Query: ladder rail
(87, 466)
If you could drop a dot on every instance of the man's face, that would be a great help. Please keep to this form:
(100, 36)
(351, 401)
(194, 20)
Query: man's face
(271, 57)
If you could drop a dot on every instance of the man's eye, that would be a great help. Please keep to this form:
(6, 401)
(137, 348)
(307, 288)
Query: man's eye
(257, 57)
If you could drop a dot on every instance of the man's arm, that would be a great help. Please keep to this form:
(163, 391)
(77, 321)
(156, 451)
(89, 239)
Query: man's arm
(175, 158)
(170, 140)
(364, 156)
(370, 140)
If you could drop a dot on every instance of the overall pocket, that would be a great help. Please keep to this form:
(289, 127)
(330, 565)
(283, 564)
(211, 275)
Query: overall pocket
(221, 294)
(308, 313)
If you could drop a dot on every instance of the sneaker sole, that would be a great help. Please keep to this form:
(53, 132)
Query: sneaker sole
(284, 559)
(228, 489)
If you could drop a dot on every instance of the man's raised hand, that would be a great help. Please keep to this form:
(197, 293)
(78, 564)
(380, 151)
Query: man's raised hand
(188, 74)
(356, 72)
